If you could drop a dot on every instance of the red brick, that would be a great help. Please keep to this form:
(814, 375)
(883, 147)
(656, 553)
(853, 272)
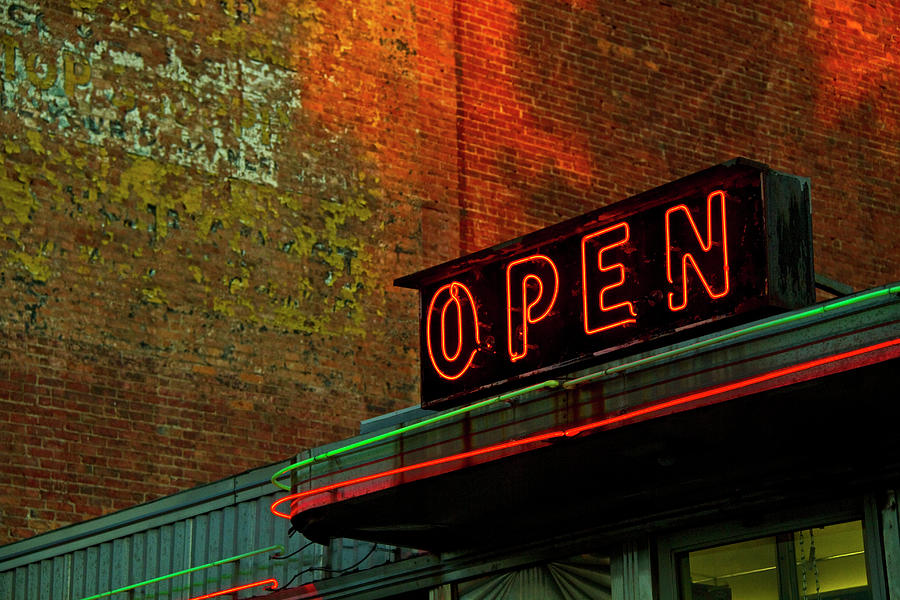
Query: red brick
(157, 310)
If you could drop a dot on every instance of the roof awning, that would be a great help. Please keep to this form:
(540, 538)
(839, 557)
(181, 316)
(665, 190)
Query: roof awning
(787, 407)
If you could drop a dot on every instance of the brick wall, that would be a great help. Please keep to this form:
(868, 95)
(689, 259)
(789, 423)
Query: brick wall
(204, 203)
(570, 104)
(204, 207)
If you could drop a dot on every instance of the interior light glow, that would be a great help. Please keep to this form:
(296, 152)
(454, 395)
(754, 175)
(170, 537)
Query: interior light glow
(223, 561)
(572, 383)
(680, 401)
(706, 246)
(270, 583)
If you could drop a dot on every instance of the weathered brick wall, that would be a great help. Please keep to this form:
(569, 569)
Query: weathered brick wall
(204, 206)
(571, 104)
(204, 203)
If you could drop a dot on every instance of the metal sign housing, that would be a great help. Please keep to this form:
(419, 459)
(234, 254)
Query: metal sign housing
(732, 240)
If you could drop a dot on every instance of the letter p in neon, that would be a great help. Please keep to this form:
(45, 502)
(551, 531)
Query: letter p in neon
(532, 284)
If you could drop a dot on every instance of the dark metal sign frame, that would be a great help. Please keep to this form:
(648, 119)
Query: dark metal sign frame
(732, 240)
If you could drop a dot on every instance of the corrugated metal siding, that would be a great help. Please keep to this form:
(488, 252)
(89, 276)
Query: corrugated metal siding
(205, 532)
(890, 515)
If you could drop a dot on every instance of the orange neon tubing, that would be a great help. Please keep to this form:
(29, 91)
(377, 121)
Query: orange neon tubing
(271, 583)
(616, 266)
(459, 327)
(453, 288)
(705, 246)
(605, 422)
(527, 307)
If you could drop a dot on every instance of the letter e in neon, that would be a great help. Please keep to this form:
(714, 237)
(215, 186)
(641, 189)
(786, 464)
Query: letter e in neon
(594, 247)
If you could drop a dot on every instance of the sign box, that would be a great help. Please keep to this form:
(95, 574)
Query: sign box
(732, 241)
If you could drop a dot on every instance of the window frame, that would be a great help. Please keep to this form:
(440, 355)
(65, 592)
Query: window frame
(774, 523)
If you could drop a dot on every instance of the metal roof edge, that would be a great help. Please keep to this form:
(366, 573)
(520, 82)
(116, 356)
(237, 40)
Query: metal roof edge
(168, 509)
(781, 323)
(766, 327)
(763, 346)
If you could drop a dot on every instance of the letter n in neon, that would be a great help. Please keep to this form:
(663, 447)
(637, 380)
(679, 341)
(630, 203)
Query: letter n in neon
(687, 248)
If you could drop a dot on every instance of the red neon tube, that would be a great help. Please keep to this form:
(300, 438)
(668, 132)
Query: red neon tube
(271, 583)
(415, 467)
(574, 431)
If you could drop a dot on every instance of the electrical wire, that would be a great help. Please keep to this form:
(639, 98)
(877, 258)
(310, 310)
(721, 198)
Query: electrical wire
(327, 570)
(287, 556)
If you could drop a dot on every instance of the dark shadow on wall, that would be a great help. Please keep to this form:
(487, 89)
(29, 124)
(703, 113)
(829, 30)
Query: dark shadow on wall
(661, 91)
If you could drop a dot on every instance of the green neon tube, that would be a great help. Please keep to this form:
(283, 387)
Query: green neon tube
(593, 376)
(818, 310)
(552, 383)
(223, 561)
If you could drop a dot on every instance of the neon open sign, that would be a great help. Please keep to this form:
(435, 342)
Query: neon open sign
(732, 240)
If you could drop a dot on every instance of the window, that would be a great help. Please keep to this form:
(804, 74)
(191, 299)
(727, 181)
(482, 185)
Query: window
(819, 563)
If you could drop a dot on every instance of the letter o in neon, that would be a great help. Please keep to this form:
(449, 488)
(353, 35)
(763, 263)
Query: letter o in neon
(455, 298)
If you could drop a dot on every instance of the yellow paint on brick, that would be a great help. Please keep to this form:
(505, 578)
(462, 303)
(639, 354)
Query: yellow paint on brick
(197, 273)
(154, 295)
(308, 13)
(162, 18)
(16, 197)
(324, 289)
(192, 199)
(232, 36)
(236, 285)
(223, 306)
(37, 266)
(85, 5)
(148, 180)
(34, 141)
(89, 254)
